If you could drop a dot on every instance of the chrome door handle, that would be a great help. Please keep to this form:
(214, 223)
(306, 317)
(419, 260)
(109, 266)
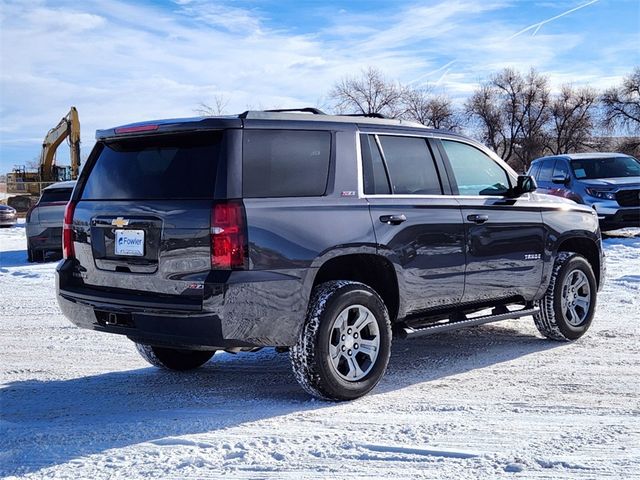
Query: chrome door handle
(479, 219)
(393, 219)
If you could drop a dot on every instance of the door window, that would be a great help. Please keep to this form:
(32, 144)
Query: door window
(411, 166)
(475, 172)
(561, 169)
(546, 171)
(534, 170)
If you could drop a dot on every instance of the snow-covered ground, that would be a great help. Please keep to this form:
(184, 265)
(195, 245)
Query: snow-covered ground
(495, 401)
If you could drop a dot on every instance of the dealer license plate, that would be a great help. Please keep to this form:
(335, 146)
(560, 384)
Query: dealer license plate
(130, 242)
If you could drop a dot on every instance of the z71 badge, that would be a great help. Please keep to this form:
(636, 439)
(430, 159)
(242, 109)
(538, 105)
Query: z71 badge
(532, 256)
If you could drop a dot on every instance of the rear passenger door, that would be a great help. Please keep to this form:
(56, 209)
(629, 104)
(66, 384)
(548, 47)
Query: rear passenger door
(504, 236)
(416, 226)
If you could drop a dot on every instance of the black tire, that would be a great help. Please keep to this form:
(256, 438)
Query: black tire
(310, 356)
(30, 257)
(552, 321)
(174, 358)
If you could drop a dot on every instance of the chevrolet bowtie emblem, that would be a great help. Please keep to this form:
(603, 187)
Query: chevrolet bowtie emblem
(119, 222)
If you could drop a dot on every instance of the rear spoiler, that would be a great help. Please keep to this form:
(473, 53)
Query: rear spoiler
(169, 126)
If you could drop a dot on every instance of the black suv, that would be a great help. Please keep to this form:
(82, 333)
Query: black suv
(321, 234)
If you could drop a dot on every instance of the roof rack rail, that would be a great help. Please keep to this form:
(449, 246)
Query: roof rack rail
(368, 115)
(313, 110)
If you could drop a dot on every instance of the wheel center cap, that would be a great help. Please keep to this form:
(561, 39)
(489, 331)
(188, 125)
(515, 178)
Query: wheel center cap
(348, 341)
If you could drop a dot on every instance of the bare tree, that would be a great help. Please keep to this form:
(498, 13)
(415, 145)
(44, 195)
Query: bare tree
(629, 146)
(572, 119)
(621, 105)
(435, 111)
(511, 110)
(219, 107)
(483, 107)
(369, 93)
(534, 115)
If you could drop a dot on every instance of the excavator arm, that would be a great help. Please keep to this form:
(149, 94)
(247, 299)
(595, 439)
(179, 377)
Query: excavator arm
(69, 127)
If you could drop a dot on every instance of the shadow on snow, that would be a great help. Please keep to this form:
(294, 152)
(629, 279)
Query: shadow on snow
(18, 258)
(46, 423)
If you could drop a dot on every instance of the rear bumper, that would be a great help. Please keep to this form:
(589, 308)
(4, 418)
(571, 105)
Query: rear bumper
(238, 309)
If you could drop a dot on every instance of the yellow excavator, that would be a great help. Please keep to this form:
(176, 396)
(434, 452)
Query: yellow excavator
(68, 127)
(30, 183)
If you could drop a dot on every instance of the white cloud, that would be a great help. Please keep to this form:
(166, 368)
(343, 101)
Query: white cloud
(121, 62)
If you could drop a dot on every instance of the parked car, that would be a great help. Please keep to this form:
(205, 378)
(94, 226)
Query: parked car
(321, 234)
(607, 182)
(8, 216)
(44, 221)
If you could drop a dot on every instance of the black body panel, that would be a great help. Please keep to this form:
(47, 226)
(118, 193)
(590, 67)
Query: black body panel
(442, 260)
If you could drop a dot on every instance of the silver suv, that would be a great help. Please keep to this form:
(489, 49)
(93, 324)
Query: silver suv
(607, 182)
(44, 221)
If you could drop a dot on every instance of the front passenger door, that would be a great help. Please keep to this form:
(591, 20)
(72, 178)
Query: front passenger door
(504, 236)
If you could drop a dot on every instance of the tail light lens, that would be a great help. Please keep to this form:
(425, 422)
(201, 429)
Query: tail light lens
(228, 236)
(67, 231)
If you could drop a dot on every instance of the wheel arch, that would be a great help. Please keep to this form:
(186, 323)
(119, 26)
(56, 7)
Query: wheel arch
(586, 247)
(371, 269)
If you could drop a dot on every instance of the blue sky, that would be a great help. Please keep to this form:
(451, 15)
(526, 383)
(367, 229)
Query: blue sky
(119, 62)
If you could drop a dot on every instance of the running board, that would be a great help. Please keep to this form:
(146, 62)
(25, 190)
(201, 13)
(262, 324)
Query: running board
(408, 332)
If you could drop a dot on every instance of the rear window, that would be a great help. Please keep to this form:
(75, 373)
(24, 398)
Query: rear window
(156, 167)
(56, 195)
(285, 163)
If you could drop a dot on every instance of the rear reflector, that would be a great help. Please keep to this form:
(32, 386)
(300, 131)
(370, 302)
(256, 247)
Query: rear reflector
(137, 128)
(67, 231)
(228, 236)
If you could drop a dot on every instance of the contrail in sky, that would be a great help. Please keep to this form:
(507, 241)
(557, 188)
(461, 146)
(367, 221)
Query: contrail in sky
(537, 26)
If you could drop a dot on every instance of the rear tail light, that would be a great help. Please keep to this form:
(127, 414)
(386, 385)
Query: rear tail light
(67, 231)
(228, 236)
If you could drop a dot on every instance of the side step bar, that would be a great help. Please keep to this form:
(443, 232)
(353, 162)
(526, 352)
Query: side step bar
(408, 332)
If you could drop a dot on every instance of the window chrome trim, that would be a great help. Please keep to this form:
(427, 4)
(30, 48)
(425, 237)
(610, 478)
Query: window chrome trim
(444, 195)
(359, 166)
(384, 162)
(501, 163)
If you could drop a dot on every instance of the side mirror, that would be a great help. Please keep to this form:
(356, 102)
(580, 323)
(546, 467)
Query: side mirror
(525, 184)
(560, 179)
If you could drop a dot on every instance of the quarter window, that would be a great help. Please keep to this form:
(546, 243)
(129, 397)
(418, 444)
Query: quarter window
(375, 175)
(410, 165)
(285, 163)
(475, 172)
